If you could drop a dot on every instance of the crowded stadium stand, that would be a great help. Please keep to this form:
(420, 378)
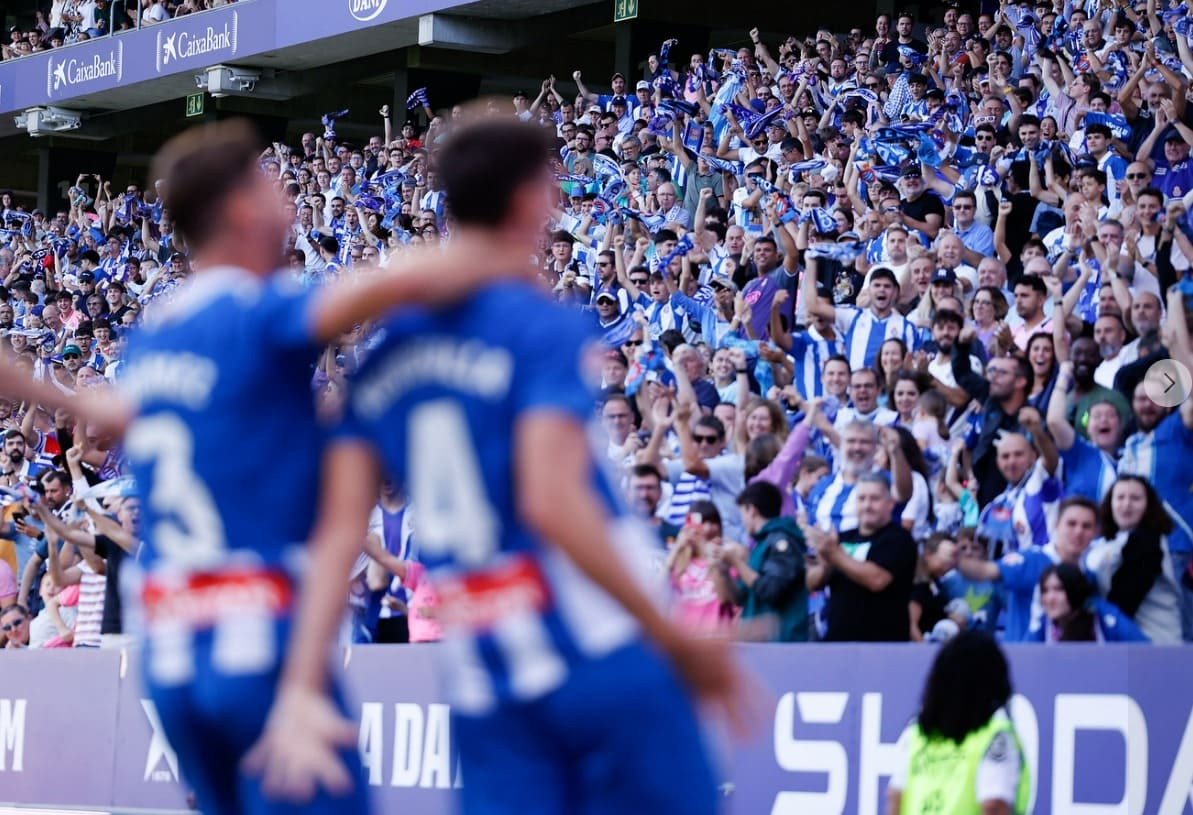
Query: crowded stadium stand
(891, 322)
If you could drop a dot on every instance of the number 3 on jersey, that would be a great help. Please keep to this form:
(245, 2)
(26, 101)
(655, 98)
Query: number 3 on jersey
(455, 517)
(188, 531)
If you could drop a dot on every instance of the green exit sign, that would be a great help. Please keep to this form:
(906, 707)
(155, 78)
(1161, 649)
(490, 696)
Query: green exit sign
(624, 10)
(194, 105)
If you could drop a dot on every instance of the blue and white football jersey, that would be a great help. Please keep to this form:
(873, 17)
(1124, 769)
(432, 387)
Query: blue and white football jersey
(225, 447)
(441, 399)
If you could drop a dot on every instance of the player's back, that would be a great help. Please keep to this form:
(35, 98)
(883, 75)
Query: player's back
(225, 447)
(441, 398)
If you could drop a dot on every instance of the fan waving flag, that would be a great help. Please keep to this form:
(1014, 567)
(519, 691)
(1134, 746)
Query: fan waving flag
(329, 123)
(417, 100)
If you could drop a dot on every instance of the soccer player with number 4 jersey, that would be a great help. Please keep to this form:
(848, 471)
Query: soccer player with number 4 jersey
(225, 449)
(567, 685)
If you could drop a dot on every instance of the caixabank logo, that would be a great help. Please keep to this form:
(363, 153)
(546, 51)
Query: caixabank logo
(365, 10)
(72, 75)
(212, 42)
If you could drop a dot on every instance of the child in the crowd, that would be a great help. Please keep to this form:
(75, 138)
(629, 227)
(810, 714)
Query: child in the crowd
(54, 626)
(930, 429)
(700, 604)
(928, 608)
(980, 599)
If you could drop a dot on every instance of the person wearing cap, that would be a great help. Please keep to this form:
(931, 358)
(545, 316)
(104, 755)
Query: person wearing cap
(1173, 174)
(713, 322)
(921, 210)
(614, 325)
(977, 238)
(619, 106)
(603, 101)
(643, 106)
(863, 330)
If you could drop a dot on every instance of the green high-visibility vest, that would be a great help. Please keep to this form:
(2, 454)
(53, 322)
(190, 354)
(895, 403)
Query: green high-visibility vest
(941, 773)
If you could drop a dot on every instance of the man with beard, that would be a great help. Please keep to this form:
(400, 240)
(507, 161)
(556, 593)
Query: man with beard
(946, 327)
(832, 503)
(1110, 334)
(19, 464)
(864, 330)
(1090, 458)
(1086, 391)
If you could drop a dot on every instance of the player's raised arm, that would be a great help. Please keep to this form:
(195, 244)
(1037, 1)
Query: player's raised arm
(101, 407)
(553, 473)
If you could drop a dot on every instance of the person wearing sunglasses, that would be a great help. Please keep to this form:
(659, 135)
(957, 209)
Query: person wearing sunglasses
(14, 626)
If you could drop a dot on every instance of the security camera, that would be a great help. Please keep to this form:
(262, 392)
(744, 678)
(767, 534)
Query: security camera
(42, 120)
(224, 80)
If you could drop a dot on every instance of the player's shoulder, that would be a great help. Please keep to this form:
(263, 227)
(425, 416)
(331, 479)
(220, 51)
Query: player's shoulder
(220, 289)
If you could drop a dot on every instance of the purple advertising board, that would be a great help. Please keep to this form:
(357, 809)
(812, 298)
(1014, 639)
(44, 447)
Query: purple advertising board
(1105, 729)
(228, 34)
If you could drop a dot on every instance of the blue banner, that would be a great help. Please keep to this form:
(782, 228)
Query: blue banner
(1106, 729)
(232, 33)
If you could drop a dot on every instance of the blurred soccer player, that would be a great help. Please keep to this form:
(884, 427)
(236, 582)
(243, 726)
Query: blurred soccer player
(225, 450)
(564, 679)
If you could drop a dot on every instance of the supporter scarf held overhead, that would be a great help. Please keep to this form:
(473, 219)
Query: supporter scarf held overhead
(418, 99)
(329, 123)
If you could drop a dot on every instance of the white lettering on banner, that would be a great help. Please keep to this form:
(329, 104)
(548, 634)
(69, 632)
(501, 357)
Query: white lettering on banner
(422, 749)
(819, 756)
(63, 74)
(877, 758)
(365, 10)
(1027, 726)
(1179, 790)
(12, 734)
(1110, 712)
(180, 45)
(159, 749)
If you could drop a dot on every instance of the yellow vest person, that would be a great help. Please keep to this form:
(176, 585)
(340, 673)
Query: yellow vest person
(962, 754)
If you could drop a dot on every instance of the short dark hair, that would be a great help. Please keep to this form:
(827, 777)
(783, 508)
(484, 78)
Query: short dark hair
(200, 168)
(764, 497)
(480, 188)
(712, 423)
(947, 315)
(645, 471)
(1033, 282)
(1078, 501)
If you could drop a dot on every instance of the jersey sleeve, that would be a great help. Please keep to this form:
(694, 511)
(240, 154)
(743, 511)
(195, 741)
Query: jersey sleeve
(997, 778)
(551, 358)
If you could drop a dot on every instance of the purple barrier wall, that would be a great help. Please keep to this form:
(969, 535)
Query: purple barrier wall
(1107, 729)
(190, 43)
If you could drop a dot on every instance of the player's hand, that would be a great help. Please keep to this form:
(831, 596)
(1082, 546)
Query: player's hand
(298, 752)
(708, 667)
